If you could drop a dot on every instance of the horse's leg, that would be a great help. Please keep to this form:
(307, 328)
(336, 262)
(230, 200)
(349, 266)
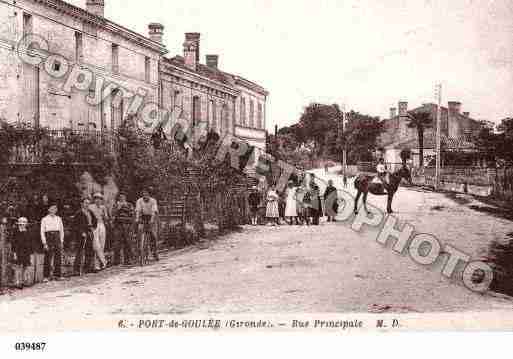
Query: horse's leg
(356, 201)
(390, 197)
(365, 202)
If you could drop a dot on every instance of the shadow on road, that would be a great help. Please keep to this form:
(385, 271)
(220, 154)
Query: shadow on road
(501, 258)
(484, 206)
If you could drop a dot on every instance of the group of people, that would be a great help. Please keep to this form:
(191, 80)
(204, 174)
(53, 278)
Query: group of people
(39, 232)
(299, 204)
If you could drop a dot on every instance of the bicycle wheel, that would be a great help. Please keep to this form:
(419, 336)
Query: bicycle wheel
(147, 248)
(142, 240)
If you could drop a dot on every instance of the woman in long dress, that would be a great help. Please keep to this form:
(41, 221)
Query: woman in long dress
(100, 232)
(291, 204)
(272, 211)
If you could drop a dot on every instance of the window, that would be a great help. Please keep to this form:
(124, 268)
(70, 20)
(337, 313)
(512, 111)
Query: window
(79, 50)
(196, 110)
(225, 120)
(251, 114)
(56, 66)
(243, 111)
(27, 24)
(176, 105)
(259, 116)
(147, 69)
(115, 58)
(36, 99)
(116, 108)
(213, 113)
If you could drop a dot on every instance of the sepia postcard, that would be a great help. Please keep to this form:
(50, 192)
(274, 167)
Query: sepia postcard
(320, 167)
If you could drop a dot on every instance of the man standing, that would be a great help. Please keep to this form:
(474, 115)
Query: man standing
(382, 172)
(123, 221)
(85, 224)
(315, 201)
(146, 212)
(52, 238)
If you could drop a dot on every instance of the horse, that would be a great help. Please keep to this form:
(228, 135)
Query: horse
(363, 184)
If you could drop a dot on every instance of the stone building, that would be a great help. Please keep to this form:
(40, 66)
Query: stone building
(456, 128)
(123, 63)
(84, 38)
(204, 94)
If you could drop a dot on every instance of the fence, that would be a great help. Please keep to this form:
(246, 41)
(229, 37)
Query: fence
(52, 143)
(502, 186)
(181, 224)
(3, 255)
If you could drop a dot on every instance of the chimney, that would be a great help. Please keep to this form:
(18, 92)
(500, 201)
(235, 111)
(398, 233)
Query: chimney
(156, 32)
(403, 108)
(212, 61)
(454, 107)
(96, 7)
(393, 112)
(191, 49)
(466, 114)
(454, 125)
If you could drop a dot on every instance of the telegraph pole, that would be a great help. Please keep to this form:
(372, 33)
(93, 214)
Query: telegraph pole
(438, 94)
(340, 133)
(344, 149)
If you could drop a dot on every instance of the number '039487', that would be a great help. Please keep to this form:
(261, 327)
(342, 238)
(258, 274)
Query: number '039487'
(30, 346)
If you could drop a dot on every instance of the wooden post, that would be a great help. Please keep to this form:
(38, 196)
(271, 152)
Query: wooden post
(3, 254)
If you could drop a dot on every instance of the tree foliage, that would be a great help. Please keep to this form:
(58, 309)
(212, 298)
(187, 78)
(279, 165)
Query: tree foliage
(360, 135)
(497, 145)
(420, 121)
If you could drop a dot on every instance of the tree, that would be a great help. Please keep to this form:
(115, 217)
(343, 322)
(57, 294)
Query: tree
(360, 136)
(496, 146)
(316, 122)
(420, 121)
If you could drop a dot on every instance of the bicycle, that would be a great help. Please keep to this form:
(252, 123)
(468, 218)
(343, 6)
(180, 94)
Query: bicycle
(144, 244)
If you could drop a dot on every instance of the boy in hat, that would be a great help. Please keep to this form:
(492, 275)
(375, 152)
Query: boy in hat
(23, 245)
(52, 238)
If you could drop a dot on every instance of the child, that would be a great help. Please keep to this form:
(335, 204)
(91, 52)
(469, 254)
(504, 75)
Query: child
(23, 246)
(272, 210)
(253, 201)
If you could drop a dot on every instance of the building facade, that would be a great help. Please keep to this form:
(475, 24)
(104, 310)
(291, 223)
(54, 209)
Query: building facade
(122, 64)
(203, 94)
(456, 128)
(83, 40)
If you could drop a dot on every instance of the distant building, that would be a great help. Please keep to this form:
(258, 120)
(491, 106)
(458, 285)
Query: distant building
(456, 128)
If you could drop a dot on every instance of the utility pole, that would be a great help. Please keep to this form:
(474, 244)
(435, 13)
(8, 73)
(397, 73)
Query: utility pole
(344, 149)
(438, 94)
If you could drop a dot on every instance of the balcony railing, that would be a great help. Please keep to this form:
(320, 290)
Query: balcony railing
(69, 146)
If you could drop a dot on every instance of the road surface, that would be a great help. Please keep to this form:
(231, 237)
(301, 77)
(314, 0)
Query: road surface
(285, 269)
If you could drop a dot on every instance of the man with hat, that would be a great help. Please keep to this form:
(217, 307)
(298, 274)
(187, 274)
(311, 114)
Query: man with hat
(123, 215)
(52, 238)
(85, 224)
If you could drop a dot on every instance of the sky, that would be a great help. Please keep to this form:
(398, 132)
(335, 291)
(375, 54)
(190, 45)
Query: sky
(364, 54)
